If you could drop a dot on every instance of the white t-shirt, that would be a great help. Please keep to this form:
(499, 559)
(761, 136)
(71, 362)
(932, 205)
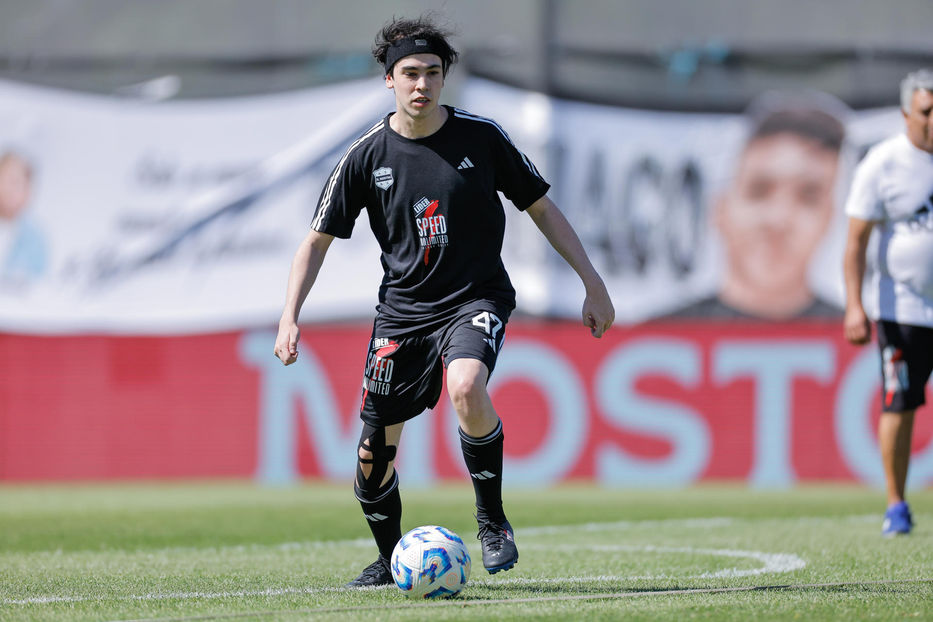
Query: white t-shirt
(893, 186)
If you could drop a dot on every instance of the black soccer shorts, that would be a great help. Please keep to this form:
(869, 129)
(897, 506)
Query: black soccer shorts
(906, 364)
(404, 375)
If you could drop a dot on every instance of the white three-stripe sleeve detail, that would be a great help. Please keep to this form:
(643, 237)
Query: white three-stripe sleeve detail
(463, 114)
(329, 188)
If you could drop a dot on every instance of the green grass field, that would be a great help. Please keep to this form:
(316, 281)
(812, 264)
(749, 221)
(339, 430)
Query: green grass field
(216, 551)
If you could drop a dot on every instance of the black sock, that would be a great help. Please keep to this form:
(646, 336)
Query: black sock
(384, 515)
(483, 457)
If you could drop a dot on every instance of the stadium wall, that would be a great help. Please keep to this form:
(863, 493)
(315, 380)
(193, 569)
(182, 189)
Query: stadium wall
(654, 405)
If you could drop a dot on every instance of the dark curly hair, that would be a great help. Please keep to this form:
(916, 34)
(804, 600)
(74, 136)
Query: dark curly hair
(425, 27)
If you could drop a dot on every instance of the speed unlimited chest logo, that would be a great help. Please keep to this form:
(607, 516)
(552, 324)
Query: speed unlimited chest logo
(432, 227)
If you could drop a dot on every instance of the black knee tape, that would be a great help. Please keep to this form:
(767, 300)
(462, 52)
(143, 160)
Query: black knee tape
(373, 440)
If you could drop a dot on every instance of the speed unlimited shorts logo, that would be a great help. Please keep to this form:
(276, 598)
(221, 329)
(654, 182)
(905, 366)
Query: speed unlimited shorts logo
(377, 377)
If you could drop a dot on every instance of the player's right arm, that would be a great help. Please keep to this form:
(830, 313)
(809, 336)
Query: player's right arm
(864, 210)
(305, 267)
(856, 326)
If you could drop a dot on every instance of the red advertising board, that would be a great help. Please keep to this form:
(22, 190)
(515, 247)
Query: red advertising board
(661, 404)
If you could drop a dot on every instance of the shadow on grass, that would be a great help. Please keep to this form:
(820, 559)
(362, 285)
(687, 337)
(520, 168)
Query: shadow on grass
(545, 589)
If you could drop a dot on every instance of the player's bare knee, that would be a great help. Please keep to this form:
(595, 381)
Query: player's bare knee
(467, 394)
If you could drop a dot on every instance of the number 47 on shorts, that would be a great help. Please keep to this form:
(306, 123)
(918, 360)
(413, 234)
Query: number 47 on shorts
(491, 325)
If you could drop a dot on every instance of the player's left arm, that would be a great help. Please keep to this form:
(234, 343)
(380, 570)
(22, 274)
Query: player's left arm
(598, 312)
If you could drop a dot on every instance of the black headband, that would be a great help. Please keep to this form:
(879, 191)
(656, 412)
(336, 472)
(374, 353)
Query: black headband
(415, 45)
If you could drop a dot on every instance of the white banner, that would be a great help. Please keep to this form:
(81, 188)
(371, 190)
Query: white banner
(173, 217)
(184, 216)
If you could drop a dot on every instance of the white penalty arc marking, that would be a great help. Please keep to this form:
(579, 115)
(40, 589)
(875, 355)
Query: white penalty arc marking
(771, 563)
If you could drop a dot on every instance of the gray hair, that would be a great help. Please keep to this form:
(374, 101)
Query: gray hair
(920, 79)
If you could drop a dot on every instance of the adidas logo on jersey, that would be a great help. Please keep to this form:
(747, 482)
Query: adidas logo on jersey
(465, 164)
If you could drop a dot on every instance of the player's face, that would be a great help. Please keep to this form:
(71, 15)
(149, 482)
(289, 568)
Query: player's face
(919, 120)
(417, 81)
(14, 187)
(777, 211)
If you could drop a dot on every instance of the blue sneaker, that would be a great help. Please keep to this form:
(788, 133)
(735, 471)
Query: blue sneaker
(897, 520)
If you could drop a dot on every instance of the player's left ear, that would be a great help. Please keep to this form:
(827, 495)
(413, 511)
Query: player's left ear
(389, 83)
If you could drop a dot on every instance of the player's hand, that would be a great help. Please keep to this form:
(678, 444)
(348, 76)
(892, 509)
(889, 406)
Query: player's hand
(598, 312)
(286, 342)
(856, 326)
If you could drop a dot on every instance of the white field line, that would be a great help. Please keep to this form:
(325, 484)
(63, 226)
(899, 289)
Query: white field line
(692, 523)
(772, 563)
(42, 600)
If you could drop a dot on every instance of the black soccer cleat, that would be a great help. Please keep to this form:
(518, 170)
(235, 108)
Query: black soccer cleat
(374, 575)
(499, 550)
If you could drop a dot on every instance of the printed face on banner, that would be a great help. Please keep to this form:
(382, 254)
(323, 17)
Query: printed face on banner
(15, 185)
(775, 214)
(23, 246)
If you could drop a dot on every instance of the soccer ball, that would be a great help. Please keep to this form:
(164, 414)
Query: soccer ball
(430, 562)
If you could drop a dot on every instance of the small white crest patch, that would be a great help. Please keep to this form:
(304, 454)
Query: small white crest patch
(383, 177)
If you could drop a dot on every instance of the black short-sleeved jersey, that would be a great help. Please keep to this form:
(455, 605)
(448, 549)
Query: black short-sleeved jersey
(434, 208)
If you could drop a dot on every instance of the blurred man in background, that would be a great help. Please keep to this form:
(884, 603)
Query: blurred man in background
(22, 245)
(428, 177)
(892, 192)
(774, 215)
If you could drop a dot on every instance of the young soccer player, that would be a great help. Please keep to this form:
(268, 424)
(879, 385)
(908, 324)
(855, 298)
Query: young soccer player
(428, 176)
